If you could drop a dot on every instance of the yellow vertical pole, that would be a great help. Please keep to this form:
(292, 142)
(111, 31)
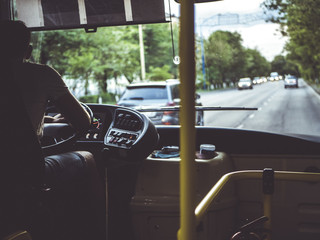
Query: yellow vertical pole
(187, 121)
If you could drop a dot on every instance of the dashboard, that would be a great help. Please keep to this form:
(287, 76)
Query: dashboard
(123, 131)
(127, 133)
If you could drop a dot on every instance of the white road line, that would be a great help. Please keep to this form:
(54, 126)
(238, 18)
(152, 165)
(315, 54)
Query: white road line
(252, 115)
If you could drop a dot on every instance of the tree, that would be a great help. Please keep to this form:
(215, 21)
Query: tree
(110, 53)
(256, 64)
(300, 20)
(158, 46)
(159, 74)
(283, 65)
(278, 65)
(116, 55)
(52, 45)
(106, 54)
(225, 57)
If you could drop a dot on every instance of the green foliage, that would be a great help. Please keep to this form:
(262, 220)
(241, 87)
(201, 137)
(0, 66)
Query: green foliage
(300, 20)
(227, 60)
(89, 99)
(110, 53)
(225, 57)
(158, 46)
(159, 74)
(256, 64)
(283, 65)
(278, 65)
(108, 98)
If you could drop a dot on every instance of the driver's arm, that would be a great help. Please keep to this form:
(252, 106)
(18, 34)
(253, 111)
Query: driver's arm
(66, 103)
(74, 113)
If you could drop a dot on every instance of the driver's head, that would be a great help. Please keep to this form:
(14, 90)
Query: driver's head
(14, 41)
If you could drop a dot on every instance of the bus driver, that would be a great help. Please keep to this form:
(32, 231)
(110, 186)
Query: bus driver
(77, 189)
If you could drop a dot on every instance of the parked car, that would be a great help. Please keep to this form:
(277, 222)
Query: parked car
(291, 81)
(245, 83)
(157, 94)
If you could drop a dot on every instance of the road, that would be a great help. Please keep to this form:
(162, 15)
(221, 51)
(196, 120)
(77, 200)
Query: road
(280, 110)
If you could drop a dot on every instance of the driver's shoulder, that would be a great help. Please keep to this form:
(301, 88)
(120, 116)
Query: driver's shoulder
(40, 71)
(37, 67)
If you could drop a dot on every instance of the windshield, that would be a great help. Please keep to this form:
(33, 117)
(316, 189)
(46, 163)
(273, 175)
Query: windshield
(234, 40)
(274, 74)
(245, 80)
(145, 93)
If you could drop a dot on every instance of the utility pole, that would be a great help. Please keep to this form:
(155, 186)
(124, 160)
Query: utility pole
(142, 61)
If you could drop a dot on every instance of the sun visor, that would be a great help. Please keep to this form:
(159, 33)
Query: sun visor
(63, 14)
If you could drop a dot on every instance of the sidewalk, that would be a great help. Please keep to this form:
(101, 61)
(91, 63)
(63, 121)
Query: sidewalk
(316, 88)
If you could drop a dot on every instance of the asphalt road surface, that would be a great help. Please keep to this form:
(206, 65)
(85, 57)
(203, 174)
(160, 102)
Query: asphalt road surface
(280, 110)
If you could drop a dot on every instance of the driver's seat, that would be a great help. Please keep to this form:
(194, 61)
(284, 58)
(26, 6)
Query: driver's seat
(21, 157)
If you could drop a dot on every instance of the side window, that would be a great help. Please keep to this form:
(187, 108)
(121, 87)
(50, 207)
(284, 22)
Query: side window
(175, 91)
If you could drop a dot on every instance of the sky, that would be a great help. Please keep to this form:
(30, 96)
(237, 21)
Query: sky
(255, 34)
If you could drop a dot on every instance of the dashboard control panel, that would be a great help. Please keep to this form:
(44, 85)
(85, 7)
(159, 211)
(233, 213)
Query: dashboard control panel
(127, 121)
(121, 138)
(125, 133)
(125, 130)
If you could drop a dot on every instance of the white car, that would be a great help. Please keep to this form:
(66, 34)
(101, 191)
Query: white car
(291, 81)
(245, 83)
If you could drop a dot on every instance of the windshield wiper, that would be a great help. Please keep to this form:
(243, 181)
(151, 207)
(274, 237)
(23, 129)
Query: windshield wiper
(197, 108)
(136, 98)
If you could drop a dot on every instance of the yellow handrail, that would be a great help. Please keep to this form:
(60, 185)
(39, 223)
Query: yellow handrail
(19, 235)
(251, 174)
(216, 189)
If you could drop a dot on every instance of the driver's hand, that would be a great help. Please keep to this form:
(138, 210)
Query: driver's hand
(55, 119)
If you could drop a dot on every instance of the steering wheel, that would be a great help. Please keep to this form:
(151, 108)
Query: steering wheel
(59, 137)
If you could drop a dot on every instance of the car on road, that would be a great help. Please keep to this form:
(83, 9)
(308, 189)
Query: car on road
(157, 95)
(291, 81)
(274, 76)
(256, 80)
(264, 79)
(245, 83)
